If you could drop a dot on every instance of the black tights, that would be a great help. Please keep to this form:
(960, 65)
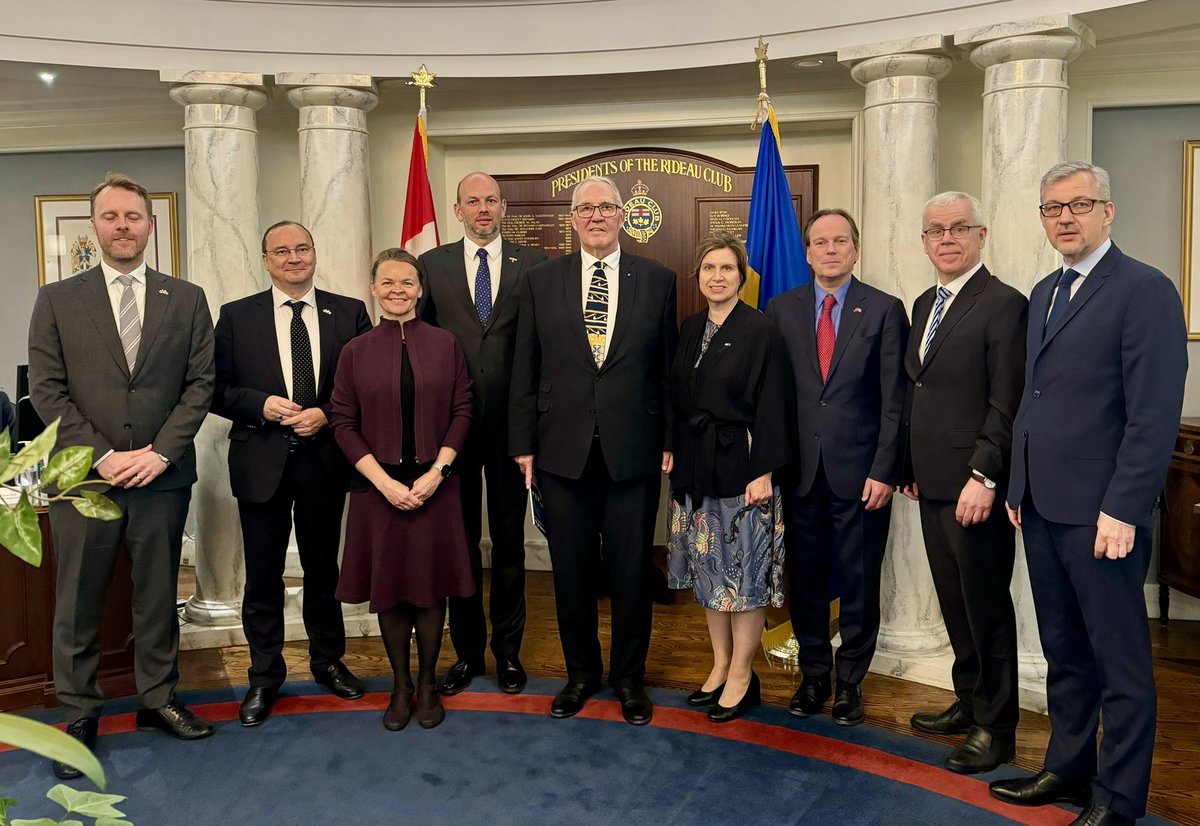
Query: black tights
(397, 625)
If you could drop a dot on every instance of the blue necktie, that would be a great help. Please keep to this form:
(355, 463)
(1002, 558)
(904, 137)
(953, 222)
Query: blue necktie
(938, 306)
(1061, 299)
(483, 288)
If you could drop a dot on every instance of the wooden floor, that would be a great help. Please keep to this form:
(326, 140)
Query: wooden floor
(680, 657)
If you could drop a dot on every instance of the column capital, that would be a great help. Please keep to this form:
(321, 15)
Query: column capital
(928, 56)
(1054, 37)
(343, 90)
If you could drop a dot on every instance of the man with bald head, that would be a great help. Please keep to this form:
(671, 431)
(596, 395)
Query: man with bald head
(473, 289)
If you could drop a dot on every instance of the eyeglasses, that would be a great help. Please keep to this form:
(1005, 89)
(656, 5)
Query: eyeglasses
(301, 251)
(956, 231)
(1080, 206)
(588, 210)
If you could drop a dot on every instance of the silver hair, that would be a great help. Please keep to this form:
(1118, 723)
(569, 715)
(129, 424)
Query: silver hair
(945, 199)
(597, 179)
(1066, 169)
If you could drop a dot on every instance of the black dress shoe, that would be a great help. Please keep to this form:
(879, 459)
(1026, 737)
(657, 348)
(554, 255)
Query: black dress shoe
(1042, 789)
(569, 700)
(175, 719)
(635, 705)
(256, 706)
(981, 752)
(338, 679)
(700, 697)
(847, 705)
(753, 696)
(399, 710)
(810, 697)
(952, 720)
(510, 676)
(1101, 816)
(430, 711)
(459, 677)
(84, 730)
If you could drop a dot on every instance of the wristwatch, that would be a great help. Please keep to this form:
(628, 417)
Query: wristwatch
(983, 480)
(442, 468)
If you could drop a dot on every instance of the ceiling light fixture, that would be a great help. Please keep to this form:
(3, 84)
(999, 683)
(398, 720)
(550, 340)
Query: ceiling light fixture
(47, 77)
(808, 63)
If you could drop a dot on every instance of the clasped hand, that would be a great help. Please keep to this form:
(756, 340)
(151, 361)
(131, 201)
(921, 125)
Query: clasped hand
(405, 498)
(304, 421)
(132, 468)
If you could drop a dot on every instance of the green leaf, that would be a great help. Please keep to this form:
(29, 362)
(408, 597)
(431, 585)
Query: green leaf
(97, 506)
(69, 466)
(5, 455)
(34, 452)
(51, 743)
(41, 821)
(19, 531)
(79, 802)
(111, 821)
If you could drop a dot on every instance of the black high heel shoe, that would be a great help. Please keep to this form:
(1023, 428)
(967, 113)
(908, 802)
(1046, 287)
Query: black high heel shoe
(700, 697)
(753, 697)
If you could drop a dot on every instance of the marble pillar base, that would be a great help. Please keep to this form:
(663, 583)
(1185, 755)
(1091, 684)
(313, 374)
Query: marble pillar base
(359, 623)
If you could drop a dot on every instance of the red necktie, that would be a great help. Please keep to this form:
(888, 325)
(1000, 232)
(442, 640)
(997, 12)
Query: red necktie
(826, 336)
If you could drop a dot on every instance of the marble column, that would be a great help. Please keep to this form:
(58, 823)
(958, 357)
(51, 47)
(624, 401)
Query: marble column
(899, 169)
(1024, 134)
(335, 197)
(221, 155)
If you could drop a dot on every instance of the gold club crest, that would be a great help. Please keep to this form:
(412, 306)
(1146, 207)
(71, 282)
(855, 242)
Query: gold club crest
(643, 216)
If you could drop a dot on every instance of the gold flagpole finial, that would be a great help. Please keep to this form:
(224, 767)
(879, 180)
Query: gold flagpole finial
(760, 52)
(423, 79)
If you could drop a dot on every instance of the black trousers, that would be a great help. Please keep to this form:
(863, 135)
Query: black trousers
(581, 514)
(152, 528)
(972, 568)
(309, 496)
(823, 530)
(1091, 617)
(506, 505)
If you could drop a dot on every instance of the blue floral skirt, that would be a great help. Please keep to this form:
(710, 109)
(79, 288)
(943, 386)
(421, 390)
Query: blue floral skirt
(729, 554)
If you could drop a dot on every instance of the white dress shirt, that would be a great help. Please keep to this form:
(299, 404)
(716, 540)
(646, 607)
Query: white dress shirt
(612, 271)
(283, 333)
(116, 290)
(954, 287)
(471, 259)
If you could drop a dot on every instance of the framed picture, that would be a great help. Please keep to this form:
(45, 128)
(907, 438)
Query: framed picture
(1189, 269)
(67, 243)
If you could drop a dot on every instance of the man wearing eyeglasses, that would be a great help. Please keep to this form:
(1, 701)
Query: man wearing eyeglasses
(595, 338)
(1092, 441)
(276, 354)
(965, 364)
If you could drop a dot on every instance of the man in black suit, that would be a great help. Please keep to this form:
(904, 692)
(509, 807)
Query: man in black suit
(595, 339)
(473, 289)
(846, 342)
(277, 352)
(965, 365)
(124, 356)
(1107, 361)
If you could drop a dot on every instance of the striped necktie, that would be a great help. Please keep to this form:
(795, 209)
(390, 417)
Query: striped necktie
(128, 323)
(939, 305)
(595, 314)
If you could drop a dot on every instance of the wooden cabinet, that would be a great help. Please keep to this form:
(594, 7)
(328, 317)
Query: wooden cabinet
(1179, 542)
(27, 618)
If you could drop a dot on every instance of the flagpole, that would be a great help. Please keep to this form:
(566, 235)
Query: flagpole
(764, 100)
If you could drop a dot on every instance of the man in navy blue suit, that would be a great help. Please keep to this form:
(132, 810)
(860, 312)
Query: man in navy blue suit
(1091, 443)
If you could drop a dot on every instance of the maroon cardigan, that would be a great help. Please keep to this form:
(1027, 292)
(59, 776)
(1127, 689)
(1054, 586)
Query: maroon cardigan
(366, 393)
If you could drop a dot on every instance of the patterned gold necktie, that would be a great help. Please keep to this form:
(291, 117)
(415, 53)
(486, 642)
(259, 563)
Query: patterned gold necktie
(595, 314)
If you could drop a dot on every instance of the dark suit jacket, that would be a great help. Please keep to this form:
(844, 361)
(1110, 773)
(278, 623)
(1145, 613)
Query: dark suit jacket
(559, 398)
(1103, 395)
(249, 370)
(489, 350)
(963, 398)
(77, 370)
(853, 420)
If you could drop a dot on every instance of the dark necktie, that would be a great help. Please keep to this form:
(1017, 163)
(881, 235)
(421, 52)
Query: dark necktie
(595, 314)
(826, 336)
(1062, 298)
(304, 382)
(938, 306)
(483, 288)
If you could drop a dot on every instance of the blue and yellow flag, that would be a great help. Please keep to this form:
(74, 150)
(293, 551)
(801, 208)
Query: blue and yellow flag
(773, 240)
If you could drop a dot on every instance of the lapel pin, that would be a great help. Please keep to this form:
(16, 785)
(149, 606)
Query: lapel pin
(513, 260)
(858, 309)
(163, 292)
(729, 344)
(326, 311)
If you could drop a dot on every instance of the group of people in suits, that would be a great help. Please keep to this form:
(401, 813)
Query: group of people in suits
(785, 435)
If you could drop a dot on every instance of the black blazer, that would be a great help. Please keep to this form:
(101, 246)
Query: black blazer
(489, 350)
(730, 417)
(559, 399)
(962, 400)
(853, 420)
(249, 370)
(1103, 394)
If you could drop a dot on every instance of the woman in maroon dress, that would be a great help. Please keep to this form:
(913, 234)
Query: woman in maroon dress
(401, 410)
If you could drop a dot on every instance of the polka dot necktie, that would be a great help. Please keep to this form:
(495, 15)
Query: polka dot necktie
(304, 381)
(483, 288)
(595, 313)
(826, 336)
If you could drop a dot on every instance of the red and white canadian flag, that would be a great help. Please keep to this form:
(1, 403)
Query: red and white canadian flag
(419, 232)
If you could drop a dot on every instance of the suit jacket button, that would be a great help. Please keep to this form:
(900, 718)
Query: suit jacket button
(919, 384)
(1037, 394)
(824, 403)
(127, 426)
(816, 435)
(133, 390)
